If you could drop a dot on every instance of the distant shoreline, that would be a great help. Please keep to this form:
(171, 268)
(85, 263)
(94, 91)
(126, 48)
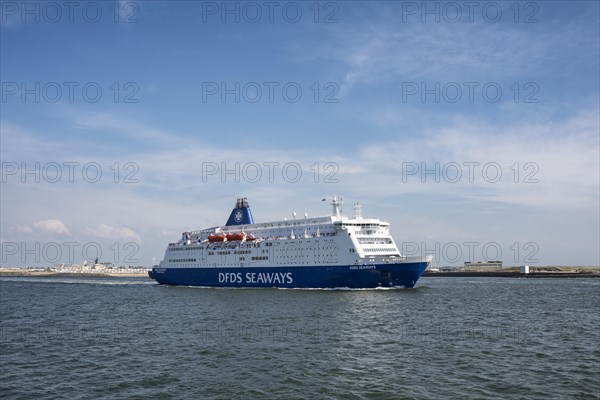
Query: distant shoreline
(535, 272)
(513, 274)
(25, 273)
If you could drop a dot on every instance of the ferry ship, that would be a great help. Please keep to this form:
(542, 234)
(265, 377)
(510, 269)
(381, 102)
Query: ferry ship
(332, 251)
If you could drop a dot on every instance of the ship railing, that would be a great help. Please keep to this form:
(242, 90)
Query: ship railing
(427, 258)
(395, 257)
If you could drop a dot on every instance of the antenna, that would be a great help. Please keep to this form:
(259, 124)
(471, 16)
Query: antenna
(357, 210)
(336, 203)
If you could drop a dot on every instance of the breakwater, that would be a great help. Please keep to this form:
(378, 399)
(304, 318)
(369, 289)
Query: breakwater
(515, 274)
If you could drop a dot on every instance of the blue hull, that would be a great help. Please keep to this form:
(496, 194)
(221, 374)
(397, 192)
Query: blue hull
(345, 276)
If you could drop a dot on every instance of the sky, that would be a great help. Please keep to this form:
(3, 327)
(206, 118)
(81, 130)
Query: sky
(472, 127)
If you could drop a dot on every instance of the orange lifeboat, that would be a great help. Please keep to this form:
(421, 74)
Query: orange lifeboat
(235, 236)
(216, 238)
(250, 237)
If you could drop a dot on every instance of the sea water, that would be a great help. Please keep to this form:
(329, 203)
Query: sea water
(117, 338)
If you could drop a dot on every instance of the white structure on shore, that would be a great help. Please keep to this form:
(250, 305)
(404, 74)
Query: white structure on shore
(98, 268)
(483, 266)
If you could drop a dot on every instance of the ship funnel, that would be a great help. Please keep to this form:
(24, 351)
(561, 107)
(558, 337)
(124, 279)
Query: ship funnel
(241, 214)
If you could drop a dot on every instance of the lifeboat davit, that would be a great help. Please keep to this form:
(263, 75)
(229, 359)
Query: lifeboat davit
(235, 236)
(216, 238)
(250, 237)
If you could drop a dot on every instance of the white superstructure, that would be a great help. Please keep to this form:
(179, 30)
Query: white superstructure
(320, 241)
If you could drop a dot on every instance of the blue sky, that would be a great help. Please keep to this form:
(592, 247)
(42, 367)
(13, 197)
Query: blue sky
(500, 102)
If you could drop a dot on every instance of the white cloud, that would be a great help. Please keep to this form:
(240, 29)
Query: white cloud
(51, 226)
(125, 127)
(24, 229)
(566, 153)
(563, 157)
(379, 47)
(107, 231)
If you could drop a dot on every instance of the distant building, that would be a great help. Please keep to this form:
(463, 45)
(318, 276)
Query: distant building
(480, 266)
(449, 268)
